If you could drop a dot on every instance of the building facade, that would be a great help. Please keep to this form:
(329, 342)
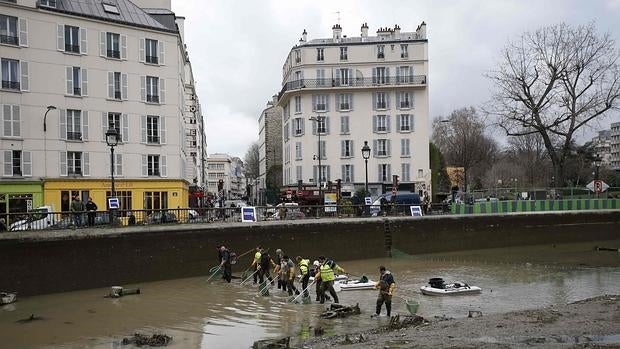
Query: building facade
(219, 167)
(270, 153)
(340, 92)
(614, 146)
(70, 73)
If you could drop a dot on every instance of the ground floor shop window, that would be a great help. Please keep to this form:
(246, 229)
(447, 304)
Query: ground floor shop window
(124, 198)
(155, 200)
(66, 196)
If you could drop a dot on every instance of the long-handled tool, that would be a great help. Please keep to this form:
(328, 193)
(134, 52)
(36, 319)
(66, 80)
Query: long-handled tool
(268, 285)
(302, 292)
(213, 273)
(412, 306)
(249, 277)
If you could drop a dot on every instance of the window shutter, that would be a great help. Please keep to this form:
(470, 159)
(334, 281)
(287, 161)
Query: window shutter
(389, 171)
(327, 125)
(352, 175)
(83, 41)
(162, 91)
(388, 146)
(63, 163)
(314, 126)
(84, 73)
(102, 44)
(398, 100)
(374, 101)
(111, 85)
(387, 75)
(85, 125)
(143, 88)
(351, 142)
(388, 123)
(85, 164)
(374, 147)
(374, 76)
(350, 101)
(8, 163)
(342, 126)
(402, 147)
(398, 117)
(63, 124)
(69, 79)
(327, 98)
(123, 46)
(327, 174)
(6, 120)
(142, 50)
(119, 164)
(143, 128)
(145, 167)
(410, 73)
(124, 87)
(303, 125)
(162, 130)
(104, 124)
(387, 100)
(379, 173)
(162, 53)
(23, 32)
(374, 123)
(164, 167)
(397, 74)
(25, 85)
(16, 121)
(342, 146)
(60, 44)
(412, 122)
(125, 130)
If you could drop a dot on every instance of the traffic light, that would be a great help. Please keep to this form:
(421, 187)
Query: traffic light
(220, 185)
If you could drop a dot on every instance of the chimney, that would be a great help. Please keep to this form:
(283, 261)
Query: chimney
(364, 30)
(180, 21)
(304, 36)
(421, 31)
(337, 29)
(396, 31)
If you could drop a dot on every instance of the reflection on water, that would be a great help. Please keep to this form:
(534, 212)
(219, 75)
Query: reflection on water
(201, 314)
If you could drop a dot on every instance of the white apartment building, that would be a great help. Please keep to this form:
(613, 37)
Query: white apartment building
(615, 146)
(340, 92)
(97, 64)
(219, 167)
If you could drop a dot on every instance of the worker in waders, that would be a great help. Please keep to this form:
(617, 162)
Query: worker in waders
(288, 269)
(327, 271)
(255, 263)
(305, 273)
(278, 270)
(317, 281)
(386, 286)
(264, 265)
(226, 263)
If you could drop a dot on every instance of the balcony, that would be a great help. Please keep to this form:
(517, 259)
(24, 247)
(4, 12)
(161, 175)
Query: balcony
(77, 91)
(152, 59)
(9, 40)
(416, 80)
(152, 139)
(72, 48)
(74, 136)
(380, 55)
(10, 85)
(117, 95)
(152, 98)
(114, 54)
(74, 172)
(154, 172)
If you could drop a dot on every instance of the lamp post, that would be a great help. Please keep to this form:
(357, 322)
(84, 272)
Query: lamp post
(366, 156)
(49, 107)
(597, 165)
(319, 119)
(111, 138)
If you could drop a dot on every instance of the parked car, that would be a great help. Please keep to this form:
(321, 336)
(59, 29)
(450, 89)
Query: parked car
(291, 210)
(37, 219)
(159, 217)
(403, 201)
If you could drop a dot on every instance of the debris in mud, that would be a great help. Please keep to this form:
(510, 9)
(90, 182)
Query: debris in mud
(118, 291)
(474, 313)
(319, 331)
(396, 323)
(156, 340)
(30, 319)
(337, 310)
(280, 343)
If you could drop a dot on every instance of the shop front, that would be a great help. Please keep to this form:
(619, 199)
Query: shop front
(19, 197)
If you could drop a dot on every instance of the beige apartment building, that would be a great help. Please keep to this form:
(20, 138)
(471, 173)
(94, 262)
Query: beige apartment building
(73, 69)
(270, 153)
(340, 92)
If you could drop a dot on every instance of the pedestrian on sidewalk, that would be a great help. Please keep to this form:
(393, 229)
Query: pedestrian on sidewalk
(91, 207)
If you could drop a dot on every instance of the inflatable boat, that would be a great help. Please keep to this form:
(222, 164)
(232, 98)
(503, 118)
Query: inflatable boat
(339, 278)
(7, 298)
(437, 287)
(353, 285)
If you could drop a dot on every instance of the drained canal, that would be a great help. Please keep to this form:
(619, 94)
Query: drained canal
(213, 314)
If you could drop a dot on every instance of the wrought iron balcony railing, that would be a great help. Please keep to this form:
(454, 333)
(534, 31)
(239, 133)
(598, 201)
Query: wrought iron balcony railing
(11, 85)
(77, 91)
(152, 139)
(418, 80)
(74, 136)
(152, 98)
(114, 54)
(9, 40)
(152, 59)
(72, 48)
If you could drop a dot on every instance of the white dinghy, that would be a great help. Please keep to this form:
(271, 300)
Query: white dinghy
(437, 287)
(353, 285)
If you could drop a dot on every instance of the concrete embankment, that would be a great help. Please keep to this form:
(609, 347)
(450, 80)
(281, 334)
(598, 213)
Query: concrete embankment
(58, 261)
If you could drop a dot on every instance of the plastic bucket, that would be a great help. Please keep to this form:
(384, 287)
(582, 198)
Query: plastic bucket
(412, 306)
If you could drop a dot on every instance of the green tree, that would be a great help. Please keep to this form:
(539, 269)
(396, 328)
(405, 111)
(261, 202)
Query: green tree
(440, 182)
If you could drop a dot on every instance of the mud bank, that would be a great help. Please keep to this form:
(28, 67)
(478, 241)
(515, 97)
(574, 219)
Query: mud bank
(590, 323)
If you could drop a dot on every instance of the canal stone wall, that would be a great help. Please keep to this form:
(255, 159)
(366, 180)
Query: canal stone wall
(58, 261)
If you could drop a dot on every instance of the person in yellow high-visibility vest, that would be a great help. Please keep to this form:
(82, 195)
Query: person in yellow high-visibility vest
(327, 269)
(305, 273)
(256, 262)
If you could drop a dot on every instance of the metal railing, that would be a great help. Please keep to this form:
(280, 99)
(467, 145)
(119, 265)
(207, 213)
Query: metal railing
(114, 54)
(74, 136)
(152, 59)
(152, 98)
(9, 39)
(12, 85)
(72, 48)
(77, 91)
(418, 80)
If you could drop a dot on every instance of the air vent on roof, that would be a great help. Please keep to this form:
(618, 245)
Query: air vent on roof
(110, 8)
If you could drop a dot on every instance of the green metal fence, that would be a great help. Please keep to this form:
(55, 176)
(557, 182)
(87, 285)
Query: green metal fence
(509, 206)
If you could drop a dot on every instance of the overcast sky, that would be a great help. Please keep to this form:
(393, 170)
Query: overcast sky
(237, 48)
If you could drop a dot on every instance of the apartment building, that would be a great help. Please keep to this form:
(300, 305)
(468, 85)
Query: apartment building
(340, 92)
(270, 152)
(219, 167)
(73, 69)
(614, 147)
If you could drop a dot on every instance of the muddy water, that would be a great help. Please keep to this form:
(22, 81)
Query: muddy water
(201, 314)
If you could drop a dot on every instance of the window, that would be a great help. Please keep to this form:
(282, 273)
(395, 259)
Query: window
(405, 123)
(285, 133)
(381, 100)
(381, 123)
(403, 51)
(297, 56)
(405, 172)
(322, 149)
(345, 101)
(347, 173)
(381, 147)
(343, 54)
(298, 126)
(152, 89)
(320, 78)
(298, 151)
(72, 39)
(344, 77)
(405, 74)
(155, 200)
(297, 104)
(298, 173)
(380, 75)
(346, 148)
(8, 30)
(76, 81)
(17, 163)
(48, 3)
(111, 8)
(320, 125)
(287, 153)
(420, 173)
(381, 51)
(74, 125)
(286, 110)
(74, 163)
(320, 103)
(11, 121)
(321, 174)
(153, 165)
(404, 100)
(124, 198)
(114, 122)
(404, 147)
(344, 125)
(152, 129)
(10, 74)
(113, 45)
(320, 54)
(151, 51)
(385, 174)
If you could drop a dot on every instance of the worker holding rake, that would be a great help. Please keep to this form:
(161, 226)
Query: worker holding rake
(386, 286)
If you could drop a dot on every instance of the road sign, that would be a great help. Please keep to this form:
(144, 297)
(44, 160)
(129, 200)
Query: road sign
(597, 186)
(368, 200)
(28, 205)
(113, 203)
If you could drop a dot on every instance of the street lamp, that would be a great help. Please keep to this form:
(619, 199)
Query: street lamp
(319, 120)
(49, 107)
(111, 138)
(366, 156)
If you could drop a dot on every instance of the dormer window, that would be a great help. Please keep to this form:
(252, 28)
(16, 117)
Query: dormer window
(111, 8)
(48, 3)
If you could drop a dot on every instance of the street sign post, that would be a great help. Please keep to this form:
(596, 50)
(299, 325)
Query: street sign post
(597, 186)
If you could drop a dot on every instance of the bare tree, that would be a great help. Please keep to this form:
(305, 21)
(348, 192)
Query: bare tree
(553, 82)
(461, 138)
(252, 161)
(528, 153)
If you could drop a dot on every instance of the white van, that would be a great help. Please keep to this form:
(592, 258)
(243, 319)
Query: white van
(39, 218)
